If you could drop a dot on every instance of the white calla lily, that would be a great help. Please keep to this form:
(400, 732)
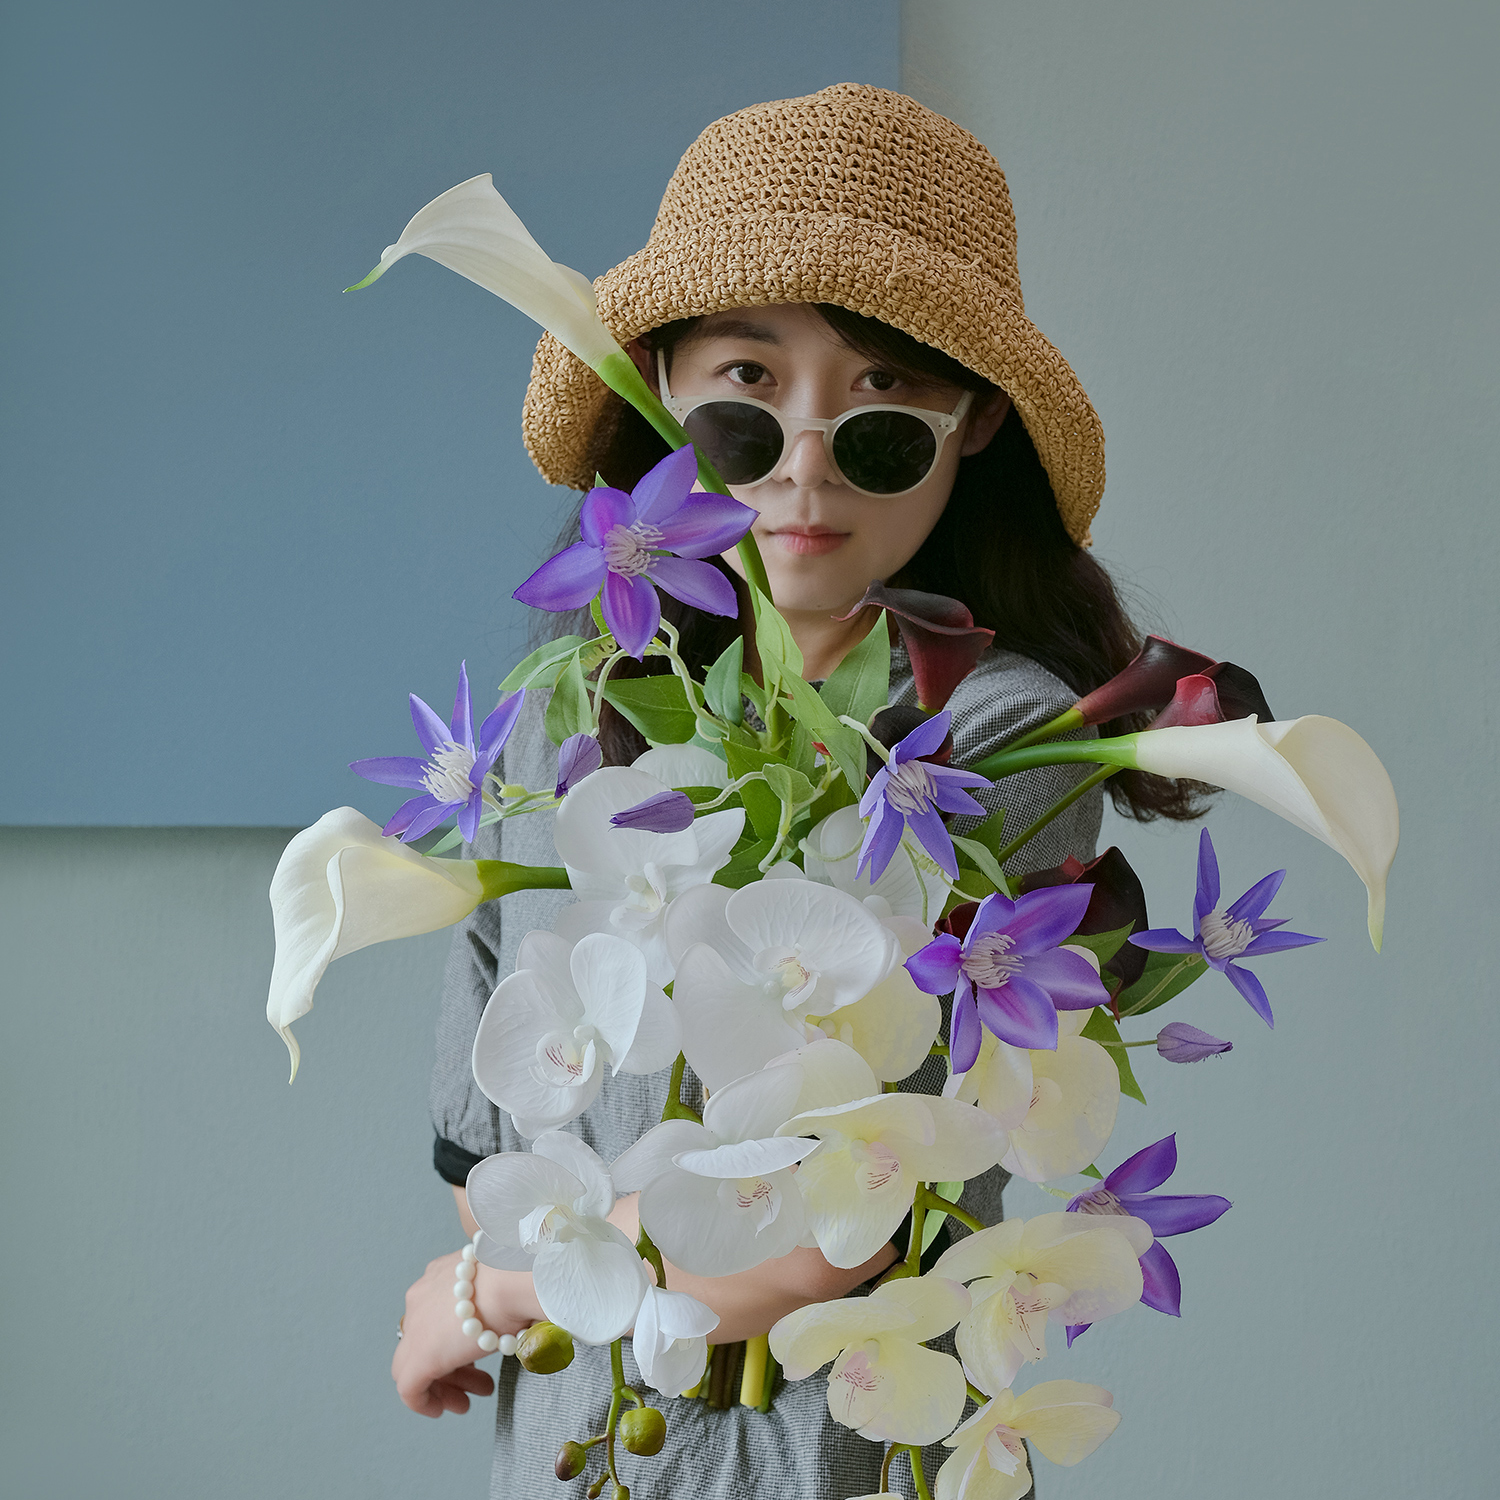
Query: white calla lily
(626, 878)
(875, 1152)
(1024, 1274)
(546, 1211)
(1315, 772)
(471, 229)
(670, 1340)
(1059, 1107)
(911, 883)
(1064, 1420)
(569, 1009)
(340, 886)
(883, 1384)
(719, 1198)
(754, 967)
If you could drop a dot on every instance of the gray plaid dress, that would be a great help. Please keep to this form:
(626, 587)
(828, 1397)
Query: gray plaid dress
(796, 1451)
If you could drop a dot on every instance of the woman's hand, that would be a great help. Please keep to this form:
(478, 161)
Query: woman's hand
(434, 1367)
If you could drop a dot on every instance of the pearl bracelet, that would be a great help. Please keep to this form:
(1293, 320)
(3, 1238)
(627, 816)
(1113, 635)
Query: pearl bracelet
(463, 1306)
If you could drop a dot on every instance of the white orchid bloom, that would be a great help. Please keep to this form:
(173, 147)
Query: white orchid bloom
(683, 765)
(1059, 1107)
(911, 883)
(1314, 772)
(1024, 1274)
(761, 970)
(1064, 1419)
(720, 1197)
(546, 1211)
(625, 878)
(340, 886)
(875, 1152)
(550, 1028)
(883, 1384)
(471, 229)
(671, 1340)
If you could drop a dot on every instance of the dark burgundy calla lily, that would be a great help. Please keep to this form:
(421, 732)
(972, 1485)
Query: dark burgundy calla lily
(1119, 900)
(940, 636)
(1151, 682)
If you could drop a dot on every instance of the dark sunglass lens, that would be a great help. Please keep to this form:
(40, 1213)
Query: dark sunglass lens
(884, 452)
(742, 442)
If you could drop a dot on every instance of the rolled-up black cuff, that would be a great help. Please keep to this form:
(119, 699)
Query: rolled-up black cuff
(452, 1162)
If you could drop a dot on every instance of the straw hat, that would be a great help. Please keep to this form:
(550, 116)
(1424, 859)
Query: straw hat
(855, 196)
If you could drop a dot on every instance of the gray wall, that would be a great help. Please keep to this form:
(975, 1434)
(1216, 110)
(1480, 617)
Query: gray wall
(1262, 236)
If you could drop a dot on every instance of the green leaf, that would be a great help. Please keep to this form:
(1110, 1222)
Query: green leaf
(983, 860)
(861, 683)
(1162, 979)
(802, 757)
(789, 785)
(1101, 1028)
(721, 688)
(1103, 945)
(934, 1220)
(568, 709)
(1093, 1172)
(988, 833)
(751, 689)
(761, 806)
(774, 642)
(657, 706)
(540, 669)
(598, 613)
(744, 863)
(840, 794)
(842, 743)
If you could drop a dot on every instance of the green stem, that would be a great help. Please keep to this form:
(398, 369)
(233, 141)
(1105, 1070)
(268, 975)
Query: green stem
(499, 877)
(918, 1473)
(976, 1395)
(1116, 1046)
(885, 1468)
(645, 1247)
(918, 1225)
(674, 1108)
(1071, 719)
(768, 1386)
(1061, 805)
(929, 1199)
(619, 373)
(1166, 979)
(1119, 752)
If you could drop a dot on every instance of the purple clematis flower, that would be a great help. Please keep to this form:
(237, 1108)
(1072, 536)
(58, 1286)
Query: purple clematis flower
(452, 776)
(914, 792)
(1240, 930)
(1128, 1191)
(625, 551)
(578, 756)
(1008, 975)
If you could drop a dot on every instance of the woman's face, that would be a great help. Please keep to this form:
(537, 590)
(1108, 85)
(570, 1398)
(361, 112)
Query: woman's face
(822, 541)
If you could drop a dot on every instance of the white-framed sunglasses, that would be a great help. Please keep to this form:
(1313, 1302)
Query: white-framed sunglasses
(877, 450)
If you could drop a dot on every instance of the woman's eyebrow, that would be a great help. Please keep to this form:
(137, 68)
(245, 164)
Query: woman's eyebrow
(732, 328)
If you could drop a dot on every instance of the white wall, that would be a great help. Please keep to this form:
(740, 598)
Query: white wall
(1264, 237)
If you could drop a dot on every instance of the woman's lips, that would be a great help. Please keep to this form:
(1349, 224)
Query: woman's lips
(813, 541)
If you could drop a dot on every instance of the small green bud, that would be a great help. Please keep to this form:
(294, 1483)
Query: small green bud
(572, 1460)
(621, 1493)
(597, 1487)
(643, 1431)
(544, 1349)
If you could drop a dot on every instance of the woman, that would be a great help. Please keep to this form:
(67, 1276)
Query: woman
(849, 252)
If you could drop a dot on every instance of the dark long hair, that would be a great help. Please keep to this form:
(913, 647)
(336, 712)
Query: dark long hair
(999, 546)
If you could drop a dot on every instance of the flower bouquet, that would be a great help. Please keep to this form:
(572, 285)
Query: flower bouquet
(772, 896)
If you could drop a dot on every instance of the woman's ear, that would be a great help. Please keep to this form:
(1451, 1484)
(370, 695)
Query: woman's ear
(645, 362)
(984, 423)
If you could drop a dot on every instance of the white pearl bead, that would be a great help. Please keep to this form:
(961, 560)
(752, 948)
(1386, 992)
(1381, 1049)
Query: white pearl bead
(462, 1289)
(464, 1270)
(489, 1342)
(473, 1327)
(468, 1252)
(463, 1308)
(507, 1343)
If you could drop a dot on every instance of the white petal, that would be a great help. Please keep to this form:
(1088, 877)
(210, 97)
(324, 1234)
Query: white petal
(728, 1028)
(989, 1252)
(682, 1317)
(966, 1142)
(697, 916)
(919, 1307)
(597, 1191)
(490, 1252)
(340, 886)
(1000, 1082)
(746, 1158)
(903, 1394)
(1066, 1419)
(610, 976)
(547, 955)
(592, 1287)
(502, 1190)
(805, 1340)
(658, 1036)
(586, 840)
(683, 765)
(717, 834)
(892, 1028)
(755, 1106)
(1076, 1096)
(912, 885)
(709, 1231)
(853, 1212)
(832, 1074)
(651, 1156)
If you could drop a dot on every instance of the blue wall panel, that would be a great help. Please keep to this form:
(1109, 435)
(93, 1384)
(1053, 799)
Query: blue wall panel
(244, 515)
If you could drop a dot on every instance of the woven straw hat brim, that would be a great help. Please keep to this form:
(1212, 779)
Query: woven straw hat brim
(856, 263)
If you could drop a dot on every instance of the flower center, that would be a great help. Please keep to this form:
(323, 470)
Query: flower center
(1004, 1450)
(989, 962)
(548, 1224)
(859, 1372)
(447, 776)
(1100, 1201)
(910, 787)
(565, 1061)
(1223, 938)
(788, 978)
(754, 1196)
(875, 1165)
(627, 549)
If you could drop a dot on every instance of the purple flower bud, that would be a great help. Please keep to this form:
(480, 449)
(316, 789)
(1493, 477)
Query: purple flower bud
(666, 812)
(1181, 1043)
(579, 756)
(940, 637)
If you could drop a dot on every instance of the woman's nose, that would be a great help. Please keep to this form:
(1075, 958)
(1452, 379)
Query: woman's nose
(806, 462)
